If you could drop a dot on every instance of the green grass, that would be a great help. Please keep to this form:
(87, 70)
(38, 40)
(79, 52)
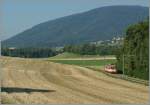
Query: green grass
(85, 62)
(66, 55)
(68, 58)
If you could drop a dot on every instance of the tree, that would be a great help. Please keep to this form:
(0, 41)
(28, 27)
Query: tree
(136, 49)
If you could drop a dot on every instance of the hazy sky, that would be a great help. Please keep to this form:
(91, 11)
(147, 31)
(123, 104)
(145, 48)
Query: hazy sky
(19, 15)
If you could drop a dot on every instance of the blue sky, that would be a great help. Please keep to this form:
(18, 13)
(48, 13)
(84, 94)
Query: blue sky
(19, 15)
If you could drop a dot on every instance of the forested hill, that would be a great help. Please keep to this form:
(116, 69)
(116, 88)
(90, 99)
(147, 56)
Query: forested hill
(97, 24)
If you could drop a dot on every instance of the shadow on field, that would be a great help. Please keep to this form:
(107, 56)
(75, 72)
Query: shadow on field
(22, 90)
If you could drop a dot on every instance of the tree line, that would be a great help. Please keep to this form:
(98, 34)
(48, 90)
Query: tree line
(133, 57)
(82, 49)
(28, 52)
(91, 49)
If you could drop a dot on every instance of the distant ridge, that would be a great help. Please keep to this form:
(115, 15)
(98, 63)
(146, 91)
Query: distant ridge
(97, 24)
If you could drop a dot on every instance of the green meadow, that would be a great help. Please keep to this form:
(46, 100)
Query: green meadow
(85, 62)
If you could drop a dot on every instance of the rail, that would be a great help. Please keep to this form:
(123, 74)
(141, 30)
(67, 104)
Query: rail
(123, 77)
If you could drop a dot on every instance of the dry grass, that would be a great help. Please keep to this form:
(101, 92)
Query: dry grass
(69, 84)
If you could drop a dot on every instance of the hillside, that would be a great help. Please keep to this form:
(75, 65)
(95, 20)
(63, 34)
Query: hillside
(32, 81)
(94, 25)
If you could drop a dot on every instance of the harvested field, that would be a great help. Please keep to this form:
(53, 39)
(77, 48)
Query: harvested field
(39, 81)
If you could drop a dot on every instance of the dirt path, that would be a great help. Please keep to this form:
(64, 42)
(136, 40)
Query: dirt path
(36, 81)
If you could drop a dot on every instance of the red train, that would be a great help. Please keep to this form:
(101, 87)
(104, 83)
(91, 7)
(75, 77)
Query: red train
(111, 69)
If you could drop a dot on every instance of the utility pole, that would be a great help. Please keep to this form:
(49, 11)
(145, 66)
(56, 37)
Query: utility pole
(104, 62)
(123, 64)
